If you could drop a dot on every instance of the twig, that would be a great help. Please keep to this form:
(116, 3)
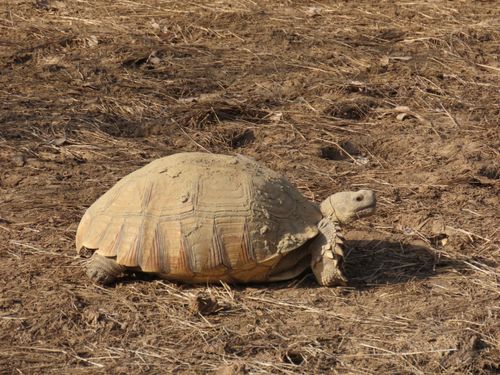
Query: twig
(469, 234)
(340, 148)
(191, 138)
(38, 250)
(391, 353)
(449, 115)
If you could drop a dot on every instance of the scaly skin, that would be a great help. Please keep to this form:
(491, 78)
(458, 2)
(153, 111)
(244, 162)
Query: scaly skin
(326, 249)
(103, 270)
(327, 255)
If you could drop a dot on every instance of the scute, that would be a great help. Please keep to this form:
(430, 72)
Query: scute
(196, 216)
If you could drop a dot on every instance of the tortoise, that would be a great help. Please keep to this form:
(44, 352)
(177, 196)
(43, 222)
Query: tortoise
(200, 218)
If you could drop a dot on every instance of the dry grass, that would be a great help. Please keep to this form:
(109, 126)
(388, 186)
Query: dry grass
(396, 96)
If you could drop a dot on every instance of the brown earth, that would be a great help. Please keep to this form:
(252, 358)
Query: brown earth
(400, 97)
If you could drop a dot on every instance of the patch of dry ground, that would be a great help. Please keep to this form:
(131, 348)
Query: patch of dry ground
(401, 97)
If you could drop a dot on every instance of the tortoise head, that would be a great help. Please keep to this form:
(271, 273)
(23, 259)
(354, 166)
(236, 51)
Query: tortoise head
(347, 206)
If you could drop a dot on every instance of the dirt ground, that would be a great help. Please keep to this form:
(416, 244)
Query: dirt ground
(400, 97)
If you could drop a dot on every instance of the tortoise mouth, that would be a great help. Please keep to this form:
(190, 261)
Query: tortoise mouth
(366, 211)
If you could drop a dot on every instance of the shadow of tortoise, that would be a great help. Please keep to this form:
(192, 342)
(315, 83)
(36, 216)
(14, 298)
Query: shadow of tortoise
(376, 261)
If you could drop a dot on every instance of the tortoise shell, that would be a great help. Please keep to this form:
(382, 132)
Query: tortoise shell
(200, 217)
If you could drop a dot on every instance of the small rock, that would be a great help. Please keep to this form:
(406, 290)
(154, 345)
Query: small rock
(313, 11)
(58, 141)
(155, 60)
(203, 304)
(19, 160)
(92, 41)
(232, 369)
(276, 117)
(58, 5)
(155, 25)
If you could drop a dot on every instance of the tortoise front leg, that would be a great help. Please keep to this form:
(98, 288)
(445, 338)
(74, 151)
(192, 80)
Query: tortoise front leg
(327, 255)
(103, 270)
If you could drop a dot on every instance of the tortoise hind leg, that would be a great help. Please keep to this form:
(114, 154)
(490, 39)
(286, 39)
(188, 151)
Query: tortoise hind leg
(291, 266)
(103, 270)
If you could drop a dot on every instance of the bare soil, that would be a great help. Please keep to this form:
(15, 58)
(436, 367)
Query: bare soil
(400, 97)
